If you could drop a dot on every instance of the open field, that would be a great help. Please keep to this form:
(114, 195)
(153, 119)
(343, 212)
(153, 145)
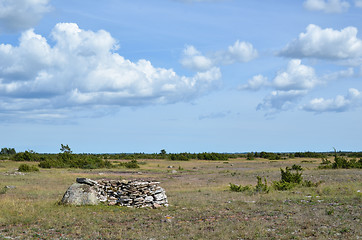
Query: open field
(201, 204)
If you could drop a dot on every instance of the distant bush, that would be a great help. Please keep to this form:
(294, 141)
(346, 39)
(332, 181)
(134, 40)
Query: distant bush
(309, 155)
(341, 162)
(179, 157)
(7, 151)
(250, 156)
(27, 168)
(212, 156)
(27, 156)
(131, 164)
(68, 160)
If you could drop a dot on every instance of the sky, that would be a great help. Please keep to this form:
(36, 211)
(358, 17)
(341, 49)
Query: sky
(181, 75)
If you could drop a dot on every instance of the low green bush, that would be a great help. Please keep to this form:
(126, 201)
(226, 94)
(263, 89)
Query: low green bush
(69, 160)
(130, 164)
(239, 188)
(290, 178)
(259, 188)
(27, 168)
(3, 190)
(27, 156)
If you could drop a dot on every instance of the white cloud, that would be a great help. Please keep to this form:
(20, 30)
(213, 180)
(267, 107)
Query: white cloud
(339, 75)
(358, 3)
(16, 15)
(281, 100)
(256, 83)
(82, 68)
(325, 44)
(338, 104)
(327, 6)
(296, 77)
(239, 52)
(291, 85)
(194, 60)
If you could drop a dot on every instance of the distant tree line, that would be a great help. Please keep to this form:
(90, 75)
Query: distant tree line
(7, 151)
(66, 158)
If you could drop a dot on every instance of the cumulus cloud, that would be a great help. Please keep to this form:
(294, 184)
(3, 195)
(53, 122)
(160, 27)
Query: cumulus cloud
(325, 44)
(338, 104)
(83, 69)
(296, 77)
(327, 6)
(238, 52)
(281, 100)
(256, 83)
(291, 85)
(194, 60)
(17, 15)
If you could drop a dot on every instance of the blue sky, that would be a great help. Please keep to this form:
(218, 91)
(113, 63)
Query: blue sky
(181, 75)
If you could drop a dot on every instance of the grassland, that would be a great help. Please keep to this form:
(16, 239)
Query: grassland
(201, 204)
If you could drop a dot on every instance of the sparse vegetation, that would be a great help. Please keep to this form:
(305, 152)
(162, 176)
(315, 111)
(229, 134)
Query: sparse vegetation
(201, 203)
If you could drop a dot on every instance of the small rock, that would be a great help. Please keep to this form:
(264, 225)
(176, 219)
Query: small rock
(86, 181)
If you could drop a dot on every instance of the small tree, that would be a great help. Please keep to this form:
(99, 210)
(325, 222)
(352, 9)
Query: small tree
(65, 148)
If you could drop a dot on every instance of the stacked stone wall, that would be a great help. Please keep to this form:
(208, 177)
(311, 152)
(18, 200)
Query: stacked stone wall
(130, 193)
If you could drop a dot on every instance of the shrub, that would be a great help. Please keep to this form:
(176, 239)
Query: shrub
(130, 164)
(297, 167)
(325, 161)
(283, 186)
(68, 160)
(179, 157)
(290, 178)
(7, 151)
(212, 156)
(237, 188)
(259, 188)
(27, 168)
(27, 156)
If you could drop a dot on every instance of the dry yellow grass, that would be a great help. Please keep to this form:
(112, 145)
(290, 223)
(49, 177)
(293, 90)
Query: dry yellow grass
(201, 206)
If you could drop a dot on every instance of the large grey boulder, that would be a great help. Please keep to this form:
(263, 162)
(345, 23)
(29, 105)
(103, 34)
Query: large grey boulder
(80, 194)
